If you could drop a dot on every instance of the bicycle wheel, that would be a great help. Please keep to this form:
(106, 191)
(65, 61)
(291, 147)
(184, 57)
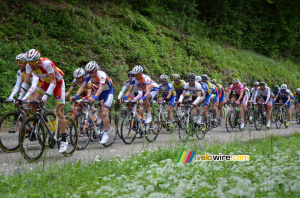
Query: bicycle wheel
(200, 132)
(230, 121)
(129, 128)
(118, 121)
(70, 114)
(184, 128)
(284, 119)
(278, 119)
(72, 137)
(51, 142)
(152, 129)
(112, 132)
(250, 116)
(10, 125)
(258, 120)
(84, 131)
(32, 139)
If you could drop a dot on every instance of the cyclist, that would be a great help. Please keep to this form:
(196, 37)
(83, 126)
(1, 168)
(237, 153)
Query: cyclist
(79, 77)
(53, 83)
(221, 92)
(126, 86)
(104, 92)
(21, 61)
(168, 94)
(207, 95)
(275, 91)
(178, 86)
(284, 96)
(148, 88)
(239, 97)
(196, 91)
(263, 96)
(214, 98)
(297, 99)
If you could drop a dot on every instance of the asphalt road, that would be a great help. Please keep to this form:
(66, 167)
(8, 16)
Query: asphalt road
(11, 163)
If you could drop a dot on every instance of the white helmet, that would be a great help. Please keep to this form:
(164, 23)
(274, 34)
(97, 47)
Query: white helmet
(92, 65)
(198, 78)
(78, 73)
(21, 57)
(33, 55)
(283, 86)
(163, 77)
(235, 81)
(137, 69)
(256, 84)
(298, 89)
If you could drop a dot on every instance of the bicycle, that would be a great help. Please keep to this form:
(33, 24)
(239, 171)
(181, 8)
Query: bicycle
(233, 117)
(260, 116)
(34, 141)
(190, 126)
(132, 125)
(280, 115)
(164, 119)
(87, 129)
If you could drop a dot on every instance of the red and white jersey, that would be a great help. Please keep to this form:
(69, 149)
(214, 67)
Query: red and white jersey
(45, 68)
(237, 89)
(145, 80)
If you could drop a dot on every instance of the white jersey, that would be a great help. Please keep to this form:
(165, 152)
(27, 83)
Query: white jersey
(266, 94)
(126, 86)
(193, 89)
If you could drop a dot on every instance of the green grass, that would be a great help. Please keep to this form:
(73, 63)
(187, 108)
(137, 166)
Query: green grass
(273, 171)
(118, 37)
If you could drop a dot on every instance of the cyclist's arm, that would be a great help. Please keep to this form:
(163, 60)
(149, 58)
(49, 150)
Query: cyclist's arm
(169, 95)
(34, 83)
(147, 90)
(199, 98)
(16, 87)
(99, 91)
(182, 96)
(129, 90)
(255, 96)
(228, 94)
(70, 91)
(140, 94)
(122, 92)
(51, 87)
(242, 94)
(25, 83)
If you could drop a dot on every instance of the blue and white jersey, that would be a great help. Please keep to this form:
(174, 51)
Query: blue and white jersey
(165, 89)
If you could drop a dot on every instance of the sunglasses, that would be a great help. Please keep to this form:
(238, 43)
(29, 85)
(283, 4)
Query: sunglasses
(137, 75)
(32, 63)
(21, 62)
(90, 72)
(190, 80)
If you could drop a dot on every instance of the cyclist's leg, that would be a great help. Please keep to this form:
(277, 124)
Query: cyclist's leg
(170, 108)
(59, 95)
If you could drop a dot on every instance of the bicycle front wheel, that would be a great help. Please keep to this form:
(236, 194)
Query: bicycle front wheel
(84, 131)
(72, 137)
(258, 120)
(32, 139)
(152, 129)
(200, 128)
(230, 121)
(129, 128)
(184, 128)
(10, 125)
(112, 132)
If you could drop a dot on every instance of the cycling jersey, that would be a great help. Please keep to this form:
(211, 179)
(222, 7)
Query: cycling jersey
(237, 89)
(145, 80)
(89, 85)
(165, 89)
(193, 89)
(263, 94)
(45, 68)
(126, 86)
(284, 95)
(179, 87)
(207, 93)
(101, 78)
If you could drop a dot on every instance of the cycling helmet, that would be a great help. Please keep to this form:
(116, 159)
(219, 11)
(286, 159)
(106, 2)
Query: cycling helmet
(283, 86)
(235, 81)
(92, 65)
(191, 76)
(204, 77)
(298, 89)
(175, 76)
(137, 69)
(78, 73)
(256, 84)
(198, 78)
(130, 74)
(276, 86)
(21, 57)
(262, 83)
(163, 77)
(33, 55)
(244, 84)
(213, 81)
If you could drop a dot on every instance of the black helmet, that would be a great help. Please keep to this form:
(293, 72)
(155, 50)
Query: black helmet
(191, 76)
(262, 83)
(130, 74)
(205, 77)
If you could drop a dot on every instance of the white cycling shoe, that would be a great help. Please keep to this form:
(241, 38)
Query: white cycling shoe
(63, 147)
(104, 138)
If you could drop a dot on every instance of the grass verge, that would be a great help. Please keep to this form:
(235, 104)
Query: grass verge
(273, 171)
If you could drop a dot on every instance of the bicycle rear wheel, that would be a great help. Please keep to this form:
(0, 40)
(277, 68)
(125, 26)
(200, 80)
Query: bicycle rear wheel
(152, 129)
(10, 125)
(84, 131)
(129, 128)
(32, 139)
(200, 131)
(184, 128)
(230, 121)
(72, 137)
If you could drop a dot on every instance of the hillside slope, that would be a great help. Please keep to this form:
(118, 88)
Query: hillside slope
(119, 37)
